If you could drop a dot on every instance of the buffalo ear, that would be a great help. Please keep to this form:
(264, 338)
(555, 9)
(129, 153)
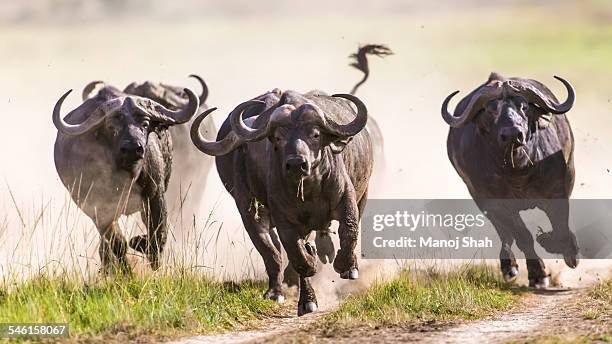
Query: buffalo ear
(542, 116)
(544, 121)
(338, 144)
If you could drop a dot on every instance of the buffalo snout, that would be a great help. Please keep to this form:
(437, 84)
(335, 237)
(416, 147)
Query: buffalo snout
(131, 151)
(297, 165)
(512, 135)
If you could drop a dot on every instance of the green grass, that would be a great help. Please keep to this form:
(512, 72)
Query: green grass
(164, 305)
(470, 292)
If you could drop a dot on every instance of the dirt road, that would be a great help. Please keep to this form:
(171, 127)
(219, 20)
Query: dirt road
(285, 325)
(555, 312)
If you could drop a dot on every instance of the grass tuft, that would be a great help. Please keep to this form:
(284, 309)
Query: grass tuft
(161, 305)
(599, 300)
(468, 293)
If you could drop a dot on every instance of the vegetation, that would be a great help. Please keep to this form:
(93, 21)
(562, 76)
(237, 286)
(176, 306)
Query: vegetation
(161, 305)
(600, 301)
(470, 292)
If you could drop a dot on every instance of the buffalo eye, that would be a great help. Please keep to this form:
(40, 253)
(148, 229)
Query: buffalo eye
(145, 124)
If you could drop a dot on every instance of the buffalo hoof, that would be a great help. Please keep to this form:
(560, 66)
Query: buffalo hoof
(571, 260)
(274, 295)
(539, 282)
(345, 261)
(306, 308)
(352, 274)
(510, 275)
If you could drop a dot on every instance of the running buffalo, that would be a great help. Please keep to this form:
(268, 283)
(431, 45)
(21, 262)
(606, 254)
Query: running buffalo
(114, 154)
(190, 168)
(511, 143)
(292, 167)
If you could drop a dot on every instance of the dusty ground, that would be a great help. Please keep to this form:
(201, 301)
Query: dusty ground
(557, 312)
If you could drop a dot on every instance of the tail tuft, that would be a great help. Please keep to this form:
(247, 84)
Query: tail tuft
(361, 60)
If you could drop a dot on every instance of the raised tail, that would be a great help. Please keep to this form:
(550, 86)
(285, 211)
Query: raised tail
(361, 60)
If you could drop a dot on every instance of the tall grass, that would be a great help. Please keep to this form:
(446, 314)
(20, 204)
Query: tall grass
(53, 236)
(49, 274)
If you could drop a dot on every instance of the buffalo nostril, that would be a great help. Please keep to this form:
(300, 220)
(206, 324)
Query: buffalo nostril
(503, 137)
(297, 165)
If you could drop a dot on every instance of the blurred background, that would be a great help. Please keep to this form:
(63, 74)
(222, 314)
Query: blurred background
(244, 48)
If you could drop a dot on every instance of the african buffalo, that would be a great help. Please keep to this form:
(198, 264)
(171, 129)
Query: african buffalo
(512, 145)
(113, 154)
(190, 168)
(291, 165)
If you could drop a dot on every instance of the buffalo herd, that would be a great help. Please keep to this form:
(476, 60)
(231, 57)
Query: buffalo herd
(294, 162)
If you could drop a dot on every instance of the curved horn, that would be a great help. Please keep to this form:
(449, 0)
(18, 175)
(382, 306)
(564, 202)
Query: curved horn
(241, 129)
(550, 105)
(204, 93)
(89, 88)
(448, 117)
(74, 129)
(182, 115)
(354, 127)
(225, 146)
(476, 102)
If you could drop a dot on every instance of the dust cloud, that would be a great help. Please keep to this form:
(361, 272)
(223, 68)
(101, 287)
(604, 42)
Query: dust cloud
(241, 56)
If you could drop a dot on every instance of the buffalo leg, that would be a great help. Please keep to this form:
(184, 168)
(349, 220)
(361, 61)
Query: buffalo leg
(107, 257)
(267, 244)
(257, 222)
(503, 227)
(561, 240)
(536, 270)
(308, 300)
(290, 276)
(303, 257)
(113, 247)
(155, 216)
(346, 261)
(362, 204)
